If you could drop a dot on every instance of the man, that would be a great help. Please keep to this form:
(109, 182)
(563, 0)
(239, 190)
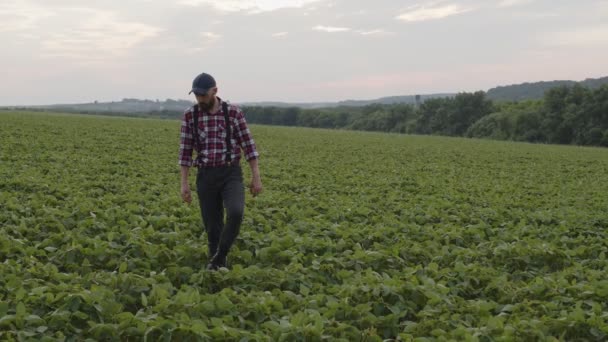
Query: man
(220, 135)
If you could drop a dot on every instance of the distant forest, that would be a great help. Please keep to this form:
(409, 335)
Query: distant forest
(566, 113)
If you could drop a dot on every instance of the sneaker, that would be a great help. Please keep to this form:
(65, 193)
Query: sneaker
(216, 262)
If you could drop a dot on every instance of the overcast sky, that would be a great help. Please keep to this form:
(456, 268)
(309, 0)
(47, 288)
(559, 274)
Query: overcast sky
(69, 51)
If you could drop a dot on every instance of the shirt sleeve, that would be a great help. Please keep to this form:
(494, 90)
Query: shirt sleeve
(243, 136)
(185, 141)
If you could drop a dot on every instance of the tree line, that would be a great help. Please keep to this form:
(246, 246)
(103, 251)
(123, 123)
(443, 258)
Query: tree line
(565, 115)
(568, 114)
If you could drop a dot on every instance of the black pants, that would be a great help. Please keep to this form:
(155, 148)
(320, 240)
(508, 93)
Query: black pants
(221, 189)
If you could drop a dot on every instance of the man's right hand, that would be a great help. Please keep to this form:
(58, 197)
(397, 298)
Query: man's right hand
(186, 194)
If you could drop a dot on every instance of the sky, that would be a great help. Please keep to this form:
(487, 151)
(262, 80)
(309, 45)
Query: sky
(72, 51)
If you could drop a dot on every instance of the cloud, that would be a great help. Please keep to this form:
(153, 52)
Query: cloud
(280, 34)
(424, 13)
(352, 14)
(330, 29)
(84, 34)
(211, 36)
(208, 38)
(583, 36)
(511, 3)
(21, 16)
(408, 81)
(538, 16)
(377, 32)
(254, 6)
(333, 29)
(90, 35)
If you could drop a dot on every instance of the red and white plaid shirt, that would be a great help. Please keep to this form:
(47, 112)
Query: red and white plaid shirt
(211, 149)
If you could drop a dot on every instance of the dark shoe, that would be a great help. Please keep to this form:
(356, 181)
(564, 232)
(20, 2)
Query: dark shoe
(216, 262)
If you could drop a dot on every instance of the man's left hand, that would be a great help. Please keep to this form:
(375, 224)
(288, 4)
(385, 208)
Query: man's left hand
(256, 186)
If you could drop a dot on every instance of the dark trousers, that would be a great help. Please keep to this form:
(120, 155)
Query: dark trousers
(220, 189)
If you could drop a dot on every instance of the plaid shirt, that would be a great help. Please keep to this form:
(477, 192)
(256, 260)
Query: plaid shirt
(211, 149)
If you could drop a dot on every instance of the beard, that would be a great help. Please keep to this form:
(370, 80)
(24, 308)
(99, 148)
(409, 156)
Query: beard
(207, 106)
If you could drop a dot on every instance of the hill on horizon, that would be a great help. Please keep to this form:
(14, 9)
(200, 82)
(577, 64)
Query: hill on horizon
(536, 90)
(515, 92)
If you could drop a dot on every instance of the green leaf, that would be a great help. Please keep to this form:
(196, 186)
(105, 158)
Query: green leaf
(20, 310)
(223, 303)
(7, 320)
(3, 308)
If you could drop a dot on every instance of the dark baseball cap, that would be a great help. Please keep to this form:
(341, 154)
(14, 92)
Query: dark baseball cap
(202, 83)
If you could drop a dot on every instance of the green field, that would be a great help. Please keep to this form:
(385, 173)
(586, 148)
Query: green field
(357, 237)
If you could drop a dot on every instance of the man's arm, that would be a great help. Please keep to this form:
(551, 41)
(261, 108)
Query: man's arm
(185, 156)
(245, 140)
(256, 181)
(186, 194)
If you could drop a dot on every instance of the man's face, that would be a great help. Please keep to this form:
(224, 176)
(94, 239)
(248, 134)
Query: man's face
(207, 100)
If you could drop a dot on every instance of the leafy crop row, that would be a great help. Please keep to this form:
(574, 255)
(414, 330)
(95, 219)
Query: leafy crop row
(357, 237)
